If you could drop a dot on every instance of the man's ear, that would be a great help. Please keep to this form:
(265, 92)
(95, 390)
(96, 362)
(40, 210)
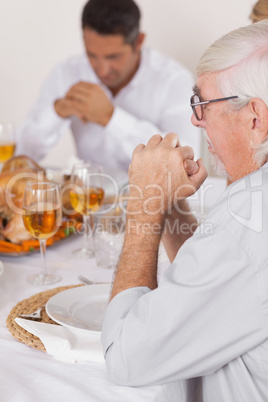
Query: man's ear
(139, 41)
(259, 120)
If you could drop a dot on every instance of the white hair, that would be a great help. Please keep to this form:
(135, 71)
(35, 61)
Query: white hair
(241, 59)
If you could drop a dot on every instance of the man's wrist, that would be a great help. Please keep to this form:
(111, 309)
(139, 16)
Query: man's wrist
(181, 208)
(108, 115)
(145, 229)
(57, 108)
(181, 221)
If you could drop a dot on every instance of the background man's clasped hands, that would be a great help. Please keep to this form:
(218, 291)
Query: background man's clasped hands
(86, 101)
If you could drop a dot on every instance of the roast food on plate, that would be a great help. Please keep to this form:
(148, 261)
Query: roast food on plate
(19, 163)
(15, 175)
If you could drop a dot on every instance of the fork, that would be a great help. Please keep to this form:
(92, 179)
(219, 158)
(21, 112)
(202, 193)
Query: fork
(35, 315)
(87, 281)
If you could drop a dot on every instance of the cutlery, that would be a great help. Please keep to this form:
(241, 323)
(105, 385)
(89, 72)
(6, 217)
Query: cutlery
(35, 315)
(87, 281)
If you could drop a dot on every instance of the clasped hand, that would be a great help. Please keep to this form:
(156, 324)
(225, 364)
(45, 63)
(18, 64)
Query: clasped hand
(86, 101)
(161, 174)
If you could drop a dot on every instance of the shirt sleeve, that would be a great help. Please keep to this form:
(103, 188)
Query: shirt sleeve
(43, 128)
(125, 131)
(206, 312)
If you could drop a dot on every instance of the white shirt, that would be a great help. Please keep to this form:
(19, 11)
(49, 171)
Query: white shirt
(208, 318)
(155, 101)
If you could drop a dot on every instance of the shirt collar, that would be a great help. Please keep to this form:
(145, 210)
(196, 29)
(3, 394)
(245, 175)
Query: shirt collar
(138, 77)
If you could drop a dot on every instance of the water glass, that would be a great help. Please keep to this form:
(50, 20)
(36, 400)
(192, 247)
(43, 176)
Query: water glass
(108, 236)
(86, 197)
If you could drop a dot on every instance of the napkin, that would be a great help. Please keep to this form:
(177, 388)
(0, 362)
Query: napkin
(73, 160)
(66, 344)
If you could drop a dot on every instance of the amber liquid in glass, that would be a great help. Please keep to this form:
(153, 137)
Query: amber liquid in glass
(43, 222)
(6, 151)
(87, 202)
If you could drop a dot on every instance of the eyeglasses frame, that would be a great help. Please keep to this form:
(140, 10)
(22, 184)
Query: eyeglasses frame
(193, 105)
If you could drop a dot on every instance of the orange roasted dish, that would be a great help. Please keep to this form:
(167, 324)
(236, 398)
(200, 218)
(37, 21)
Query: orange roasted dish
(14, 238)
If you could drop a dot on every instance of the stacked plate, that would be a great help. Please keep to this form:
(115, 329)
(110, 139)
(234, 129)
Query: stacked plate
(81, 308)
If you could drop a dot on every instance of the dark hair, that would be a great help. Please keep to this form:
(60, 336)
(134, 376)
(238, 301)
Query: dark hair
(112, 17)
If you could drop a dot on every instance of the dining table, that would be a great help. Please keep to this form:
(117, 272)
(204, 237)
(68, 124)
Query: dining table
(28, 374)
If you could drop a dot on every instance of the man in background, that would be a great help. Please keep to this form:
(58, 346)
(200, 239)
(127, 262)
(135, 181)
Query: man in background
(114, 96)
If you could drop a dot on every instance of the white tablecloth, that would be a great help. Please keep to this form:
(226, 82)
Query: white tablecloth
(27, 374)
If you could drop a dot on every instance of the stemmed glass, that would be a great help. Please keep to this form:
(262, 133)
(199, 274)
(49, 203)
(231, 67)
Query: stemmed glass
(7, 142)
(86, 196)
(42, 218)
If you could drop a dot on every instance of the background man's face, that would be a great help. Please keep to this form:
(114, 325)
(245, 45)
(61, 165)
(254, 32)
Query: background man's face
(114, 61)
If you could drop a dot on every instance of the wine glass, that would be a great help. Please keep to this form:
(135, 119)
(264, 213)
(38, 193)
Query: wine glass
(7, 142)
(86, 196)
(42, 218)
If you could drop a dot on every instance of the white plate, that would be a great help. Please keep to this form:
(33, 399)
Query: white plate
(1, 267)
(82, 308)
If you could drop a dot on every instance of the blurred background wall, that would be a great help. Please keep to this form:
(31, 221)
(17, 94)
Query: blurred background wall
(35, 35)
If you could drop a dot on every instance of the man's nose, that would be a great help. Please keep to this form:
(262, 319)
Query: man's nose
(195, 122)
(103, 69)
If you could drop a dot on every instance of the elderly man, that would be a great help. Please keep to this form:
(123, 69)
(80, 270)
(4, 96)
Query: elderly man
(114, 96)
(208, 317)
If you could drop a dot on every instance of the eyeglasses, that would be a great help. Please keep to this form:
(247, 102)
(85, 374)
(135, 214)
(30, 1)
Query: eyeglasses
(197, 103)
